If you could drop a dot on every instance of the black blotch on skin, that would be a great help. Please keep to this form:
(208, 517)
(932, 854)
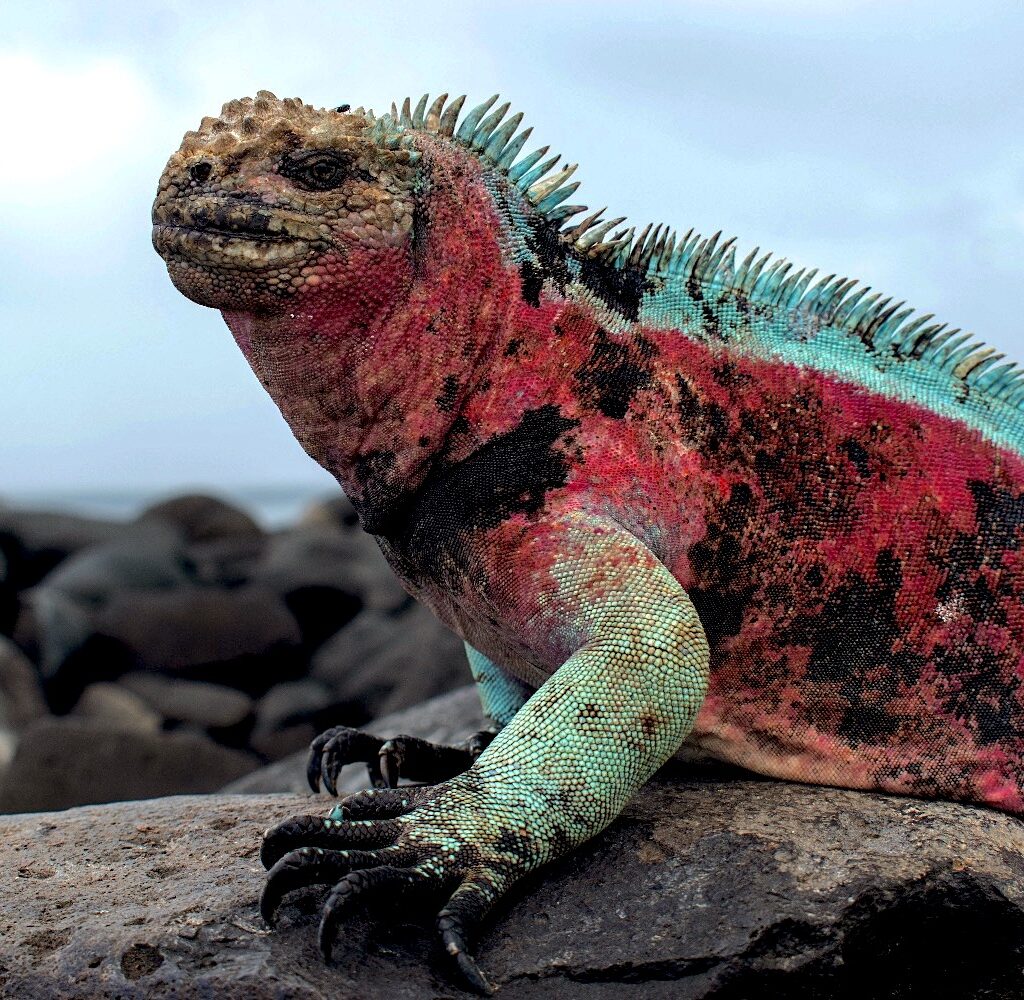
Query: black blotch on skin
(986, 692)
(532, 280)
(507, 475)
(709, 326)
(420, 233)
(999, 515)
(687, 404)
(854, 644)
(445, 401)
(621, 289)
(378, 501)
(856, 453)
(612, 375)
(719, 562)
(512, 347)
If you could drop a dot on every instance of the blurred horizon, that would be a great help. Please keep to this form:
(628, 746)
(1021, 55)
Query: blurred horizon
(883, 141)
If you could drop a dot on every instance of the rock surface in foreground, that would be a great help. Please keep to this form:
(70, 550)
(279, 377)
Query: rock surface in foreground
(729, 890)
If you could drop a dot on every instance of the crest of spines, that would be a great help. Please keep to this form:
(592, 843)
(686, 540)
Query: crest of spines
(885, 326)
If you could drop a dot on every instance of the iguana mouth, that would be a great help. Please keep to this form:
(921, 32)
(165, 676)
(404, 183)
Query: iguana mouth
(212, 232)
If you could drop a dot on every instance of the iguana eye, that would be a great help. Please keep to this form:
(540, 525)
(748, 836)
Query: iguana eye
(316, 170)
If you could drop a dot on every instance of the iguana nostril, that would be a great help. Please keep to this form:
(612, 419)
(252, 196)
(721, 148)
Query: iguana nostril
(200, 172)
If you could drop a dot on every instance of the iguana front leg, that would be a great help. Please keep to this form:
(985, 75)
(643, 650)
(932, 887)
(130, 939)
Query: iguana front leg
(616, 709)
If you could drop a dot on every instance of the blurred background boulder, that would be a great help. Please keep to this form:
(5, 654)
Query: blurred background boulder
(183, 649)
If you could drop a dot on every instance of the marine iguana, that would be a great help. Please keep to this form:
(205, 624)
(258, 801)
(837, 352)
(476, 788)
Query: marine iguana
(662, 495)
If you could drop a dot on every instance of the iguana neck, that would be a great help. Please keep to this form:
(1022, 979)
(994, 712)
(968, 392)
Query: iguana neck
(371, 377)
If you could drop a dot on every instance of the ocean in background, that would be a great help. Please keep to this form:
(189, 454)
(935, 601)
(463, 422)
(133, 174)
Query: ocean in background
(275, 506)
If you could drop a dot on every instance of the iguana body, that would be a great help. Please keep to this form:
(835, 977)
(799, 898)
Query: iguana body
(676, 495)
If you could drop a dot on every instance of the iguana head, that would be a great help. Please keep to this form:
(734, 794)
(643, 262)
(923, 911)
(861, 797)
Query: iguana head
(275, 198)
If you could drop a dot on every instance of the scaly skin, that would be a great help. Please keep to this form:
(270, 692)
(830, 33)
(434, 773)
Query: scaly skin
(673, 496)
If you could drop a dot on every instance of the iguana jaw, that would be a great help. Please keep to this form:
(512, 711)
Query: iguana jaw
(221, 252)
(221, 232)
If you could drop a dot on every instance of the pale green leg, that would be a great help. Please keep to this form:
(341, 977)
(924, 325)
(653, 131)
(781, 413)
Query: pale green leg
(633, 677)
(501, 695)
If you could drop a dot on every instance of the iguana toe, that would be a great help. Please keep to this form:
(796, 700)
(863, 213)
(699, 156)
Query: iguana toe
(353, 890)
(445, 841)
(308, 866)
(381, 803)
(421, 760)
(324, 831)
(335, 748)
(460, 917)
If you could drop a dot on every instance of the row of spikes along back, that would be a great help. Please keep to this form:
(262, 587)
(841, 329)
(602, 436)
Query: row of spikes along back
(881, 324)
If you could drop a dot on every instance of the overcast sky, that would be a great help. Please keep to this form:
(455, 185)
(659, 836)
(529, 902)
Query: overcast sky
(884, 140)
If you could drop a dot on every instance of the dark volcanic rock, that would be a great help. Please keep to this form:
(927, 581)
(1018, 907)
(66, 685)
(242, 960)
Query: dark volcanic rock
(202, 518)
(244, 636)
(118, 707)
(289, 715)
(196, 703)
(147, 556)
(68, 761)
(320, 555)
(448, 718)
(34, 542)
(21, 696)
(384, 663)
(724, 890)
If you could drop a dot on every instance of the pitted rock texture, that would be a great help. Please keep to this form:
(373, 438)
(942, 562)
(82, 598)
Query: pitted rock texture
(702, 889)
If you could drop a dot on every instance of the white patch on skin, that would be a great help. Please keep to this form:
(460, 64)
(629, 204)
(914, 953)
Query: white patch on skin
(953, 608)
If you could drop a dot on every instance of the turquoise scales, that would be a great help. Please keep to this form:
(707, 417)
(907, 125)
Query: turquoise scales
(657, 492)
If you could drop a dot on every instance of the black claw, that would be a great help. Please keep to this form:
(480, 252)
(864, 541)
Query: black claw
(465, 909)
(325, 936)
(390, 759)
(352, 888)
(317, 831)
(335, 748)
(328, 779)
(479, 742)
(471, 973)
(314, 866)
(315, 762)
(454, 940)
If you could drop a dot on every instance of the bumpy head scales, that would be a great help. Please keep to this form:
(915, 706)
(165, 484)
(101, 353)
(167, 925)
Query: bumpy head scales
(271, 198)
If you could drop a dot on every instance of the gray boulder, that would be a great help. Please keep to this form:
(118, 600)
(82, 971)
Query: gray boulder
(118, 707)
(21, 696)
(384, 663)
(201, 518)
(34, 542)
(212, 707)
(326, 556)
(67, 761)
(287, 717)
(245, 636)
(702, 889)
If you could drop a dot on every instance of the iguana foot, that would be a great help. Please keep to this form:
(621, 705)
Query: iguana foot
(387, 760)
(455, 840)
